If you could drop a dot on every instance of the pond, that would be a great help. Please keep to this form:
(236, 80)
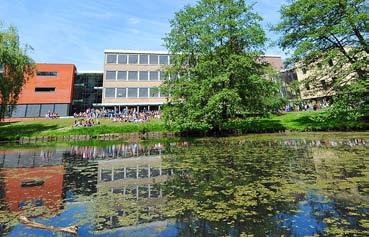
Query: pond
(240, 186)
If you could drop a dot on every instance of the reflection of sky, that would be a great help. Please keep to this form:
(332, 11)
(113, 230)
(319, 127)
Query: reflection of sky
(78, 211)
(304, 222)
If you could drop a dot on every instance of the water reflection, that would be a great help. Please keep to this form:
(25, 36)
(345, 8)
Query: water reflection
(207, 187)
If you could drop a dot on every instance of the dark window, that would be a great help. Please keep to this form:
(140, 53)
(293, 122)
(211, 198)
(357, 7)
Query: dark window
(122, 59)
(133, 59)
(132, 92)
(163, 59)
(330, 62)
(154, 75)
(111, 58)
(144, 75)
(304, 70)
(44, 89)
(144, 59)
(110, 75)
(47, 74)
(154, 59)
(143, 92)
(133, 75)
(154, 92)
(109, 92)
(324, 84)
(121, 92)
(122, 75)
(307, 86)
(163, 75)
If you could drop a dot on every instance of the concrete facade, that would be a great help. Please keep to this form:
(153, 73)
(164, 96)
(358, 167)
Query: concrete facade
(132, 78)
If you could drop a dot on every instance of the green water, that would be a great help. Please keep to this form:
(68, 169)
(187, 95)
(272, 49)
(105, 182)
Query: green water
(301, 185)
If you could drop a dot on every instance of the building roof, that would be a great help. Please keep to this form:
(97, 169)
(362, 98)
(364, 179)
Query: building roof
(134, 51)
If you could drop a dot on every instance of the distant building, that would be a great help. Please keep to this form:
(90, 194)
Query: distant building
(312, 86)
(50, 89)
(288, 82)
(132, 79)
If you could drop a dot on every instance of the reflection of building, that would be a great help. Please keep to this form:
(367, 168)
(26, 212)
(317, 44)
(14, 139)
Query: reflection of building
(50, 89)
(47, 194)
(32, 178)
(136, 176)
(138, 180)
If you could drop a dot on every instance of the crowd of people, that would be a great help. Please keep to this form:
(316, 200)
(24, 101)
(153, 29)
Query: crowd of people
(91, 116)
(52, 115)
(133, 115)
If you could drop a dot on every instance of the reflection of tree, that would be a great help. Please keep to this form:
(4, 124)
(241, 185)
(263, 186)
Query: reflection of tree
(80, 176)
(226, 188)
(343, 178)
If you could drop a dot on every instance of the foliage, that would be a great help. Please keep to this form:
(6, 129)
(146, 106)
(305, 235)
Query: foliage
(292, 121)
(332, 38)
(17, 68)
(216, 72)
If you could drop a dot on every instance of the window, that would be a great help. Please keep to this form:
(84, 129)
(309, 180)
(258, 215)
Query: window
(44, 89)
(110, 75)
(121, 92)
(307, 86)
(304, 70)
(110, 93)
(144, 59)
(47, 74)
(163, 75)
(132, 92)
(122, 75)
(133, 59)
(324, 84)
(154, 59)
(144, 75)
(133, 75)
(154, 92)
(111, 58)
(154, 75)
(330, 62)
(143, 92)
(122, 58)
(163, 59)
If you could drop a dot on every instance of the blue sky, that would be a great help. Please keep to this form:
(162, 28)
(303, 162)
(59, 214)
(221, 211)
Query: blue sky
(78, 31)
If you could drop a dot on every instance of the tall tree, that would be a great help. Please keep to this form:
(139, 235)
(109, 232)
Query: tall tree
(333, 37)
(216, 47)
(16, 67)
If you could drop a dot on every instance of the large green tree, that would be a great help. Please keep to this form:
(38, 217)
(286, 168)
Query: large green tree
(332, 36)
(16, 67)
(216, 72)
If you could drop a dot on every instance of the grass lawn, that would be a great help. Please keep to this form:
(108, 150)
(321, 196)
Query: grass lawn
(293, 121)
(64, 127)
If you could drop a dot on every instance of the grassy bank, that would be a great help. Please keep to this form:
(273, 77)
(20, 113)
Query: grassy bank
(64, 127)
(294, 121)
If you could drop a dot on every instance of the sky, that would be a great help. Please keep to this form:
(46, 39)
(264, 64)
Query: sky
(78, 31)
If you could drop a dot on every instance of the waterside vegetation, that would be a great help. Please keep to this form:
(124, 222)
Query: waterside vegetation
(293, 121)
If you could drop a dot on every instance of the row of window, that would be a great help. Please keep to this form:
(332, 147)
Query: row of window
(152, 59)
(136, 75)
(46, 74)
(133, 92)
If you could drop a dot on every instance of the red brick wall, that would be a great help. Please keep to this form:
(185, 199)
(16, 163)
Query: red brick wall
(63, 84)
